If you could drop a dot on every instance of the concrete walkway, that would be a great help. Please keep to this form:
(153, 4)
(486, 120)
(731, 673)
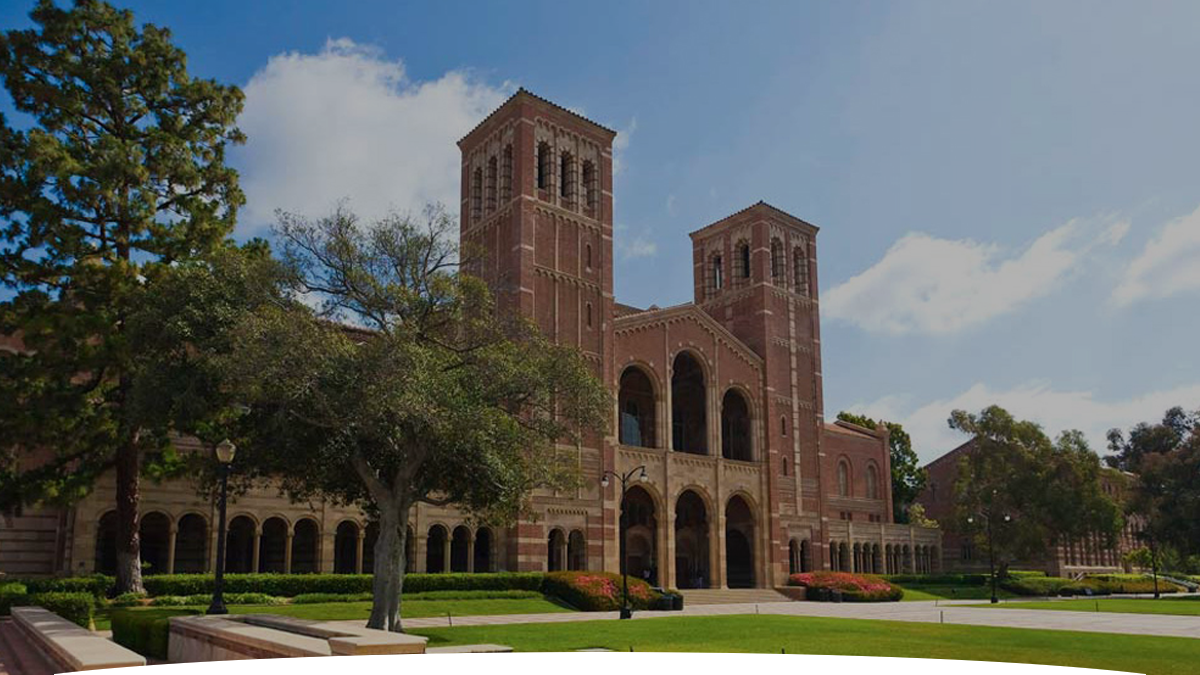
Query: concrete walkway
(919, 612)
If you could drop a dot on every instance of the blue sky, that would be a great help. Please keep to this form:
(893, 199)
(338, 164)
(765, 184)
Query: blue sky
(1009, 193)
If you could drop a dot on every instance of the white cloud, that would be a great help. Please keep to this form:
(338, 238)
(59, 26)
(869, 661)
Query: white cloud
(924, 284)
(1169, 263)
(621, 144)
(347, 122)
(671, 211)
(1055, 410)
(629, 245)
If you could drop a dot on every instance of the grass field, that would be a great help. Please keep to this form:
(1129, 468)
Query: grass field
(1184, 606)
(337, 611)
(803, 635)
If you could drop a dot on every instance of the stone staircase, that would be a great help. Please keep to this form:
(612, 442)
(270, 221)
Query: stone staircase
(18, 654)
(731, 596)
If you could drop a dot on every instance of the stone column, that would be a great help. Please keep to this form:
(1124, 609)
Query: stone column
(666, 568)
(446, 550)
(717, 559)
(471, 552)
(257, 544)
(358, 550)
(171, 536)
(287, 552)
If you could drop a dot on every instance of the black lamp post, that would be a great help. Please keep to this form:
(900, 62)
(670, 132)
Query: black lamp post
(640, 472)
(987, 516)
(224, 452)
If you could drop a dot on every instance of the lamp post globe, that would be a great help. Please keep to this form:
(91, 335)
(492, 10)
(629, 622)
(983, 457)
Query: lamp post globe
(224, 451)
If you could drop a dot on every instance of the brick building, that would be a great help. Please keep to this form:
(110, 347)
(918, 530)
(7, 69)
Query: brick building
(1089, 555)
(720, 399)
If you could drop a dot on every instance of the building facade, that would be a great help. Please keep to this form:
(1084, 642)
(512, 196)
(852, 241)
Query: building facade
(1087, 555)
(719, 399)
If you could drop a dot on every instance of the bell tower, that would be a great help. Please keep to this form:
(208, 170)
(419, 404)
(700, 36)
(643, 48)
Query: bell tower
(537, 220)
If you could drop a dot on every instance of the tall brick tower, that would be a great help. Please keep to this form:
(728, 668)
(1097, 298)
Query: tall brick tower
(537, 210)
(755, 273)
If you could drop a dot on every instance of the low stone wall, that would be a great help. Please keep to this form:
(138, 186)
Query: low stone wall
(793, 592)
(266, 636)
(69, 646)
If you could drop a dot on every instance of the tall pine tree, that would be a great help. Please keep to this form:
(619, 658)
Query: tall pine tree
(121, 170)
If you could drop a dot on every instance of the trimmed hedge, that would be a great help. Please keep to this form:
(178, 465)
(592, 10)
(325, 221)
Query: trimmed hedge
(12, 594)
(291, 585)
(146, 631)
(1101, 584)
(1129, 583)
(97, 584)
(206, 598)
(316, 598)
(852, 587)
(78, 608)
(598, 591)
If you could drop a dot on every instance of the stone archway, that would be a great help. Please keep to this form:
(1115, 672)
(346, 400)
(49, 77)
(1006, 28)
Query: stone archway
(691, 542)
(641, 532)
(154, 531)
(306, 554)
(460, 549)
(272, 547)
(345, 548)
(106, 544)
(191, 545)
(435, 550)
(739, 544)
(556, 544)
(576, 551)
(483, 550)
(239, 545)
(636, 409)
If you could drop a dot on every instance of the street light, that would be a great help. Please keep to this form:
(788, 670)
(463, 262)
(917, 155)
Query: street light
(987, 515)
(224, 451)
(640, 473)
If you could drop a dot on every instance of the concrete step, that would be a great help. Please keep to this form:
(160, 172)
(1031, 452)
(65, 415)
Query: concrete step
(18, 654)
(731, 596)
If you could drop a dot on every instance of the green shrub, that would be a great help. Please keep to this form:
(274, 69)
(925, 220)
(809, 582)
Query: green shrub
(936, 579)
(12, 594)
(145, 631)
(78, 608)
(1041, 586)
(128, 600)
(206, 598)
(291, 585)
(853, 587)
(1105, 584)
(318, 598)
(472, 595)
(97, 584)
(598, 591)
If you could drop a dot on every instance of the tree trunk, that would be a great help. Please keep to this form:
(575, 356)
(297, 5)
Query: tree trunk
(388, 581)
(129, 555)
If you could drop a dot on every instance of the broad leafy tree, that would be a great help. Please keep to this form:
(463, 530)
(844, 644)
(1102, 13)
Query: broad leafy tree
(1036, 492)
(908, 477)
(1165, 460)
(1147, 439)
(405, 385)
(120, 170)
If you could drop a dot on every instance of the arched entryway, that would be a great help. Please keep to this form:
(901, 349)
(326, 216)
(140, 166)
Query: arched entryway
(691, 542)
(735, 427)
(689, 429)
(793, 557)
(806, 556)
(556, 546)
(191, 544)
(154, 532)
(635, 401)
(305, 540)
(460, 549)
(272, 548)
(483, 550)
(106, 543)
(576, 551)
(739, 544)
(239, 545)
(345, 548)
(435, 549)
(641, 534)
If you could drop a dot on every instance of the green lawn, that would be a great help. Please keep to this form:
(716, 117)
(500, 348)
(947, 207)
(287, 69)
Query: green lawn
(803, 635)
(921, 592)
(1186, 606)
(337, 611)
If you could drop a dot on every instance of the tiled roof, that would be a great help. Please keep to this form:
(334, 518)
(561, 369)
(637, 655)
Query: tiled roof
(759, 203)
(526, 92)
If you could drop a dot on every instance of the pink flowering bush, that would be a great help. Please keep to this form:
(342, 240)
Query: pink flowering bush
(854, 587)
(597, 591)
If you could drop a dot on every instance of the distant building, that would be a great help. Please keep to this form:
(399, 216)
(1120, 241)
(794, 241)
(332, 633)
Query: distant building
(720, 399)
(1087, 555)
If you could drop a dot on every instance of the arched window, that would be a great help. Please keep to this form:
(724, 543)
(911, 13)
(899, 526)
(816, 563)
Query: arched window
(635, 400)
(492, 178)
(543, 165)
(843, 477)
(777, 263)
(785, 466)
(506, 170)
(476, 195)
(689, 427)
(716, 280)
(872, 482)
(800, 270)
(743, 258)
(735, 427)
(783, 426)
(589, 315)
(587, 256)
(590, 188)
(566, 179)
